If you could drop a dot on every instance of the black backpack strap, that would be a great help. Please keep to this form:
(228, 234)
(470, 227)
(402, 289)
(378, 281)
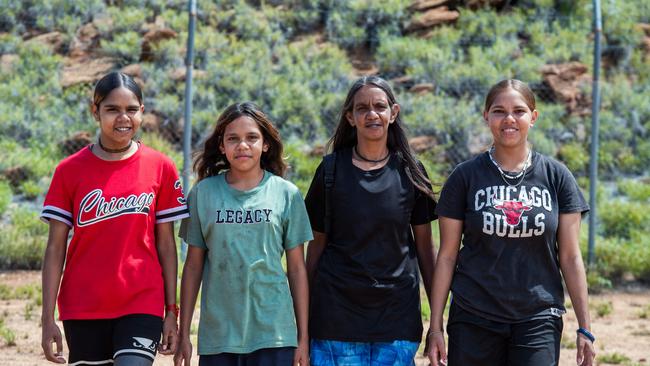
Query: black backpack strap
(329, 168)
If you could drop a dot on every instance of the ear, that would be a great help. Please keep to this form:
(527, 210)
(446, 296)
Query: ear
(485, 116)
(394, 112)
(265, 147)
(534, 116)
(350, 117)
(141, 108)
(222, 149)
(94, 111)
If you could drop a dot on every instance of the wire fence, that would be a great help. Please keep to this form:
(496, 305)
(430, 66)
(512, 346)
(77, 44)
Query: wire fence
(297, 59)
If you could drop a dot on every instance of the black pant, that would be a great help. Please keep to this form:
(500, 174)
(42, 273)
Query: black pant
(476, 341)
(100, 341)
(281, 356)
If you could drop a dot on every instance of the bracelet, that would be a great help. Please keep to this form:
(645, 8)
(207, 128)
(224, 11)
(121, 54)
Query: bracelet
(434, 332)
(587, 334)
(173, 308)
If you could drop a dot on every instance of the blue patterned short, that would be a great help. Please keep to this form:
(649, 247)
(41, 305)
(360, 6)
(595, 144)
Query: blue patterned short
(337, 353)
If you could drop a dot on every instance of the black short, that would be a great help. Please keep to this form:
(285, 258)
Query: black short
(100, 341)
(281, 356)
(474, 340)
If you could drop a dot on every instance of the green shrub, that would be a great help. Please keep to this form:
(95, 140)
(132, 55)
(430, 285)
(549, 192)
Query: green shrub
(603, 308)
(613, 358)
(302, 166)
(617, 258)
(575, 157)
(23, 240)
(8, 335)
(356, 23)
(635, 190)
(125, 47)
(128, 18)
(620, 219)
(5, 196)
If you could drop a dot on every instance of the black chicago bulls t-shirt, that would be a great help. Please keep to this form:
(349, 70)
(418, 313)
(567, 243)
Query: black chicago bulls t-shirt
(508, 267)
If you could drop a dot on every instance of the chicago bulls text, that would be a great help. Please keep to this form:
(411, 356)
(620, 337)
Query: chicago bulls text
(512, 204)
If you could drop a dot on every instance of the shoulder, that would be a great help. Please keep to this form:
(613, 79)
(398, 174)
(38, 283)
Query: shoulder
(155, 155)
(209, 183)
(75, 161)
(282, 184)
(552, 166)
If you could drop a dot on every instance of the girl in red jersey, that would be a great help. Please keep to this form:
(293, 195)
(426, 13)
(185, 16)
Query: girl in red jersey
(120, 199)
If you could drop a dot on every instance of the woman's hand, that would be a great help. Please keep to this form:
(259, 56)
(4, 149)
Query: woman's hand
(52, 334)
(170, 334)
(437, 350)
(301, 355)
(585, 351)
(183, 354)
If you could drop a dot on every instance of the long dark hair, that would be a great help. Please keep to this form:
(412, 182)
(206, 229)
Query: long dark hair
(211, 161)
(113, 81)
(345, 135)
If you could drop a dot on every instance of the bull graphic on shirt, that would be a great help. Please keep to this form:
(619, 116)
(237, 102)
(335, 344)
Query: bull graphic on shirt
(512, 209)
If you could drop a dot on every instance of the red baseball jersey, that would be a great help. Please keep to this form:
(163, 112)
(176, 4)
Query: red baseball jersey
(112, 266)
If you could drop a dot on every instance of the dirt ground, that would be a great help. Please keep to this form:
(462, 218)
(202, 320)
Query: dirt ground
(621, 322)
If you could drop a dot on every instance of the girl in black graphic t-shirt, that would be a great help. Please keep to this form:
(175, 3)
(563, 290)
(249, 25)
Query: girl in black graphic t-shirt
(365, 301)
(518, 216)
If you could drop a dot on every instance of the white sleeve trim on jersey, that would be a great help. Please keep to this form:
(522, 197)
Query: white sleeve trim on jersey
(53, 212)
(170, 210)
(172, 214)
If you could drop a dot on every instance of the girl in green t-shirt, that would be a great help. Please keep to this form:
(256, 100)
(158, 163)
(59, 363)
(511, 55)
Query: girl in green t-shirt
(243, 218)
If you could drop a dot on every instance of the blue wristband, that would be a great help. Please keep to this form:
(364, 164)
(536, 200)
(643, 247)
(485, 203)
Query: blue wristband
(587, 334)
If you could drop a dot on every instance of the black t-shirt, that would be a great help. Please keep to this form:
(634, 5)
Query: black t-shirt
(508, 267)
(366, 287)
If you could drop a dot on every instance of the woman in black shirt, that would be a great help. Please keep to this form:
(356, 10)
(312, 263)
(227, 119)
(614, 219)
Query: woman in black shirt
(518, 214)
(365, 303)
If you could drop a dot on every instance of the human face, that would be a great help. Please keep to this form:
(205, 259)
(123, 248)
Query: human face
(371, 114)
(119, 116)
(509, 118)
(243, 144)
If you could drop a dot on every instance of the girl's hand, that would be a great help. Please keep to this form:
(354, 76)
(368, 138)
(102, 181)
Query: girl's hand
(170, 334)
(52, 334)
(301, 355)
(183, 354)
(437, 350)
(585, 351)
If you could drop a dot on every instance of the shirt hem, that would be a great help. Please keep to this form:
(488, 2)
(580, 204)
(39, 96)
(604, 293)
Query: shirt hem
(390, 338)
(204, 351)
(112, 315)
(542, 314)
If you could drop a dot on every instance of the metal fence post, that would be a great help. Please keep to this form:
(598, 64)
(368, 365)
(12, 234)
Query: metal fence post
(595, 123)
(187, 128)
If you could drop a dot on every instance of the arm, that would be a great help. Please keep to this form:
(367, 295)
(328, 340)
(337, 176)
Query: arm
(573, 271)
(166, 246)
(51, 277)
(451, 231)
(297, 274)
(192, 273)
(426, 254)
(314, 250)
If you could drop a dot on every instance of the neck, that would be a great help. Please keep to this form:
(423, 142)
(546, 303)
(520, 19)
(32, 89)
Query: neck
(511, 159)
(372, 150)
(244, 180)
(106, 153)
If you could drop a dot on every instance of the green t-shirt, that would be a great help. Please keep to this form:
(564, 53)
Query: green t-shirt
(246, 304)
